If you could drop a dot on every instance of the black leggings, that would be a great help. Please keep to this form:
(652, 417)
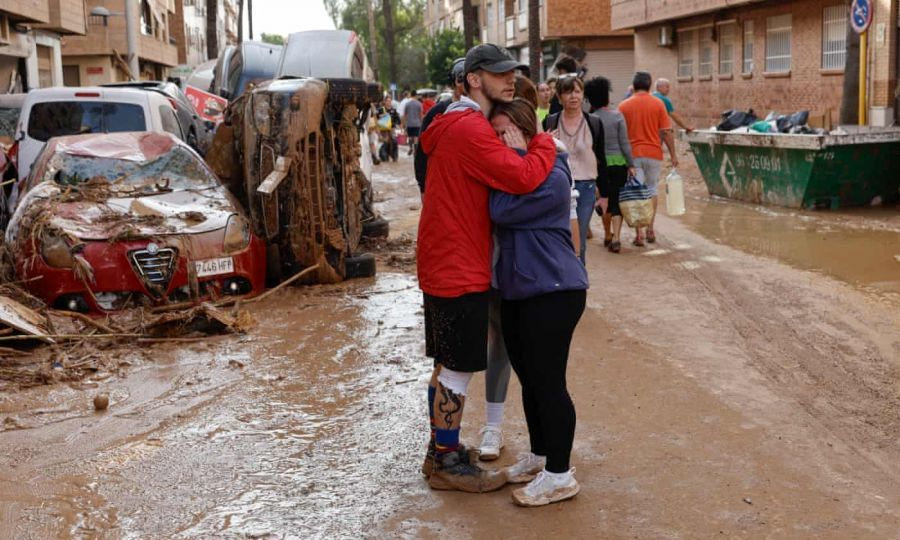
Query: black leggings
(538, 332)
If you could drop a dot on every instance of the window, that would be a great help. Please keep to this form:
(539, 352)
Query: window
(57, 118)
(747, 66)
(146, 19)
(778, 44)
(523, 15)
(686, 53)
(169, 122)
(704, 67)
(834, 37)
(726, 49)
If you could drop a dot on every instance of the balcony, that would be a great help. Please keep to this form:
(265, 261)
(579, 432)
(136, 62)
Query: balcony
(634, 13)
(32, 11)
(66, 17)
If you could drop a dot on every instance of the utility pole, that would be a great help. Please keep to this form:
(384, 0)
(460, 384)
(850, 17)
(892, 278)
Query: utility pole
(250, 18)
(534, 40)
(131, 31)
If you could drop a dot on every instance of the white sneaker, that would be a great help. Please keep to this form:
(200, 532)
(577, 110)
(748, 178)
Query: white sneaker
(491, 443)
(547, 488)
(524, 470)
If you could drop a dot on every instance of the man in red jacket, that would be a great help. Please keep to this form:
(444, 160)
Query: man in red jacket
(466, 160)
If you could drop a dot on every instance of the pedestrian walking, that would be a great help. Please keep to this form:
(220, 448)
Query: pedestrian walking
(647, 123)
(465, 160)
(412, 119)
(387, 119)
(662, 92)
(542, 284)
(619, 161)
(583, 136)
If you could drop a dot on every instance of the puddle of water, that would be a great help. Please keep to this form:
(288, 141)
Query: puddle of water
(859, 246)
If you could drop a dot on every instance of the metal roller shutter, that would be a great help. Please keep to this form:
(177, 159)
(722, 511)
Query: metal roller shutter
(617, 65)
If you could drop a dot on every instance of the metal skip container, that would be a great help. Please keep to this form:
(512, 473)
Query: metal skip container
(858, 167)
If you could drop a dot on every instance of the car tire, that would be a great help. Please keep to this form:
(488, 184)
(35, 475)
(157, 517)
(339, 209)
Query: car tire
(376, 228)
(359, 266)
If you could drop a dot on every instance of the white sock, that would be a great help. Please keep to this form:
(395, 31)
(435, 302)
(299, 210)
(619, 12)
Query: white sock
(494, 413)
(560, 476)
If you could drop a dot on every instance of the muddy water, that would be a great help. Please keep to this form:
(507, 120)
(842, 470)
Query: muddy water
(860, 247)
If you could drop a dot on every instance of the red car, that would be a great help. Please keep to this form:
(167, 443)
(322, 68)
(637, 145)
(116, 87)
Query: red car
(119, 220)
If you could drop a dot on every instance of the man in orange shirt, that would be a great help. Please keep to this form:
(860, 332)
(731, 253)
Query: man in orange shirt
(647, 122)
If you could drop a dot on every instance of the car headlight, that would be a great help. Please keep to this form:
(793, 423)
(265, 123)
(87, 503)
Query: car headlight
(56, 250)
(237, 233)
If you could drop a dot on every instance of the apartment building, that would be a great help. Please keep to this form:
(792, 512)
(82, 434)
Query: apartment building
(578, 27)
(767, 55)
(189, 28)
(30, 34)
(100, 56)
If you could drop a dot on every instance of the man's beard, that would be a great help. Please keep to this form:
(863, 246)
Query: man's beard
(497, 97)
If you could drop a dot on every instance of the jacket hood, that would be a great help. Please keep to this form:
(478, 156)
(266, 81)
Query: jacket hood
(457, 111)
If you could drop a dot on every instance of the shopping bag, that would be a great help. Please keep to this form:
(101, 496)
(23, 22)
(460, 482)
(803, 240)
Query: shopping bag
(384, 122)
(635, 203)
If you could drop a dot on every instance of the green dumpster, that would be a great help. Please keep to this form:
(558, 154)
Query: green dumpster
(858, 168)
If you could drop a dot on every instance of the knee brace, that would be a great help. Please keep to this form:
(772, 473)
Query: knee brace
(455, 381)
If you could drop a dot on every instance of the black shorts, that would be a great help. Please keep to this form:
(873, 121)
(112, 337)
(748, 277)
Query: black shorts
(456, 331)
(618, 175)
(412, 131)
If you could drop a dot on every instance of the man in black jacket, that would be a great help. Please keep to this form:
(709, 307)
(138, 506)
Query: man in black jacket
(455, 80)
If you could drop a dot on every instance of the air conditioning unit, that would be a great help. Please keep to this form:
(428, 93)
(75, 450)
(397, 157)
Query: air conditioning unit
(666, 36)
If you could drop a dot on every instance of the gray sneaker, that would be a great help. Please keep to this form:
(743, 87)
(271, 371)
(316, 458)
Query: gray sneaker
(452, 472)
(468, 455)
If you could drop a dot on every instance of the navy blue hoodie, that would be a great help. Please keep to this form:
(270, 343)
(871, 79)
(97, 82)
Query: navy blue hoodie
(535, 240)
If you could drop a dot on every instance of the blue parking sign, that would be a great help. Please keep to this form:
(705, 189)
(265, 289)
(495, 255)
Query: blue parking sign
(860, 15)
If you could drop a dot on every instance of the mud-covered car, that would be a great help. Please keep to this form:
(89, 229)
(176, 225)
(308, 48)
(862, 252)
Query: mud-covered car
(119, 220)
(290, 150)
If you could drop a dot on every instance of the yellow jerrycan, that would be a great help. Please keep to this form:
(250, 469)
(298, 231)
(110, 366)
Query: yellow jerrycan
(674, 194)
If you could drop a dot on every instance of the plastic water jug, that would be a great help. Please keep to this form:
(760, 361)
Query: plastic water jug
(674, 194)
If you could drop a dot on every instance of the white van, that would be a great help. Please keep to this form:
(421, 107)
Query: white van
(51, 112)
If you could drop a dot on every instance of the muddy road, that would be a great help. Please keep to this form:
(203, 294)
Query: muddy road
(740, 379)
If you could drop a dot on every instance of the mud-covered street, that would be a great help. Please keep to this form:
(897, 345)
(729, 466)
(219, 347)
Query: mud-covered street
(739, 379)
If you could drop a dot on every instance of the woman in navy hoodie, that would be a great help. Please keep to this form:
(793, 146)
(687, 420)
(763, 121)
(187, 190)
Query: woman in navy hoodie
(543, 286)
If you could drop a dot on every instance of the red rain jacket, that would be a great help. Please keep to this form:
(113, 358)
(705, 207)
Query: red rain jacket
(465, 160)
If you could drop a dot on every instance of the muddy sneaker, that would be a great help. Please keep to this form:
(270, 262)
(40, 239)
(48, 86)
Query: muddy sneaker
(468, 455)
(547, 488)
(491, 443)
(525, 469)
(452, 472)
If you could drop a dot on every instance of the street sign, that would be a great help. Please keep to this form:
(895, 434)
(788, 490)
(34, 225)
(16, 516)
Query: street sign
(393, 87)
(860, 15)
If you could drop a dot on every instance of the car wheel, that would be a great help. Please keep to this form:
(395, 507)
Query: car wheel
(376, 228)
(359, 266)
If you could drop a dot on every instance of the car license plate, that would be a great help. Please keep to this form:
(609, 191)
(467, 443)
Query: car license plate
(212, 267)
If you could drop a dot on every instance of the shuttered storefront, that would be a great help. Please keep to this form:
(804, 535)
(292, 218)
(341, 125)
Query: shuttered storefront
(617, 65)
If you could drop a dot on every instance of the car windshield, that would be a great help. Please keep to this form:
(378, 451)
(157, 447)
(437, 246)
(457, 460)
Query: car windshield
(177, 169)
(57, 118)
(8, 119)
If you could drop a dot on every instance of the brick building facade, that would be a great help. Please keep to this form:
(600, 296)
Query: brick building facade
(766, 55)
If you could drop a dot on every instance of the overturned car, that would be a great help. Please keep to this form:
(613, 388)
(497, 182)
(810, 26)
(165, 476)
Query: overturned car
(290, 151)
(120, 220)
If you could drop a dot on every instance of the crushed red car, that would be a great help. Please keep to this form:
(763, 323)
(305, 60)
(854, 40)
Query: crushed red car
(120, 220)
